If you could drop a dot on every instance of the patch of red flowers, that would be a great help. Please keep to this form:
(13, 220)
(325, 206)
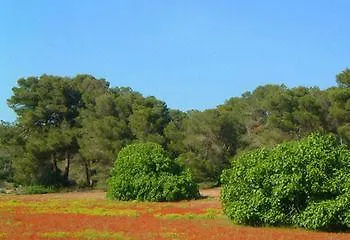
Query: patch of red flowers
(19, 223)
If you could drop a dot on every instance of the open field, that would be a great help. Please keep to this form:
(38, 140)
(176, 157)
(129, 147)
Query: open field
(91, 216)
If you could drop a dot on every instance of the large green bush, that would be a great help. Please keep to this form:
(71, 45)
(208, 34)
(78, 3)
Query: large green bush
(143, 172)
(302, 183)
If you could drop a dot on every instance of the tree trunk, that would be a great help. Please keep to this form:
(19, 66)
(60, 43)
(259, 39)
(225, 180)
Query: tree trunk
(66, 168)
(54, 162)
(88, 173)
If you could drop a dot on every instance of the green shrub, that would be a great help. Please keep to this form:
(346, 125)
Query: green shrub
(143, 172)
(303, 183)
(38, 189)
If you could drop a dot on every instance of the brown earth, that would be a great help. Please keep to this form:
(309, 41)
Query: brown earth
(212, 192)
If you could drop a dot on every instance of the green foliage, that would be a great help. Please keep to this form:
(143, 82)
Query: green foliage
(143, 172)
(339, 111)
(6, 170)
(343, 78)
(38, 189)
(69, 130)
(272, 114)
(148, 120)
(304, 183)
(210, 138)
(88, 234)
(47, 109)
(11, 147)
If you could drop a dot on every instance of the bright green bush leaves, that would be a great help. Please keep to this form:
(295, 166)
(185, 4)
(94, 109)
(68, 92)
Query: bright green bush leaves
(303, 183)
(143, 172)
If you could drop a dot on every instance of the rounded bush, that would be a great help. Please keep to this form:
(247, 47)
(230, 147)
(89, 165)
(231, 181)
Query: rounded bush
(302, 183)
(144, 172)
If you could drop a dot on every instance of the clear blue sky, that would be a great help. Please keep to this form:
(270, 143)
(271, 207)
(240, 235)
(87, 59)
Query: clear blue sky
(190, 54)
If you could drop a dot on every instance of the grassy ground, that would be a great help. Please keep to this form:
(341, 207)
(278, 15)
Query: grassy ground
(90, 216)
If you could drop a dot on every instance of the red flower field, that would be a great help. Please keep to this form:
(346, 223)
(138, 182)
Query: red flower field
(91, 216)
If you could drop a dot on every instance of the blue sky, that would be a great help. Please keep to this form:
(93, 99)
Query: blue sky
(190, 54)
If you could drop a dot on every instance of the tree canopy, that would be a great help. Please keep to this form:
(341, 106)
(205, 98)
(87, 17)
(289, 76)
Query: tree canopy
(69, 129)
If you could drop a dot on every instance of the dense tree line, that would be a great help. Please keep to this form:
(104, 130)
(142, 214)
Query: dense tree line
(70, 130)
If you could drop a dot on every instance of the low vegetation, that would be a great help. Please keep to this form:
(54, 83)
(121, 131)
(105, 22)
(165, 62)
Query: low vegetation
(38, 189)
(88, 234)
(144, 172)
(209, 214)
(89, 216)
(302, 183)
